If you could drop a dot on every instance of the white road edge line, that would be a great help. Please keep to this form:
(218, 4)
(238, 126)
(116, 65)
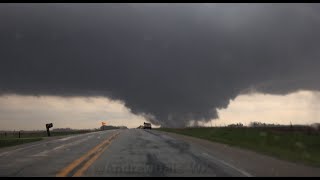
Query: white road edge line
(45, 152)
(64, 139)
(229, 165)
(42, 143)
(41, 154)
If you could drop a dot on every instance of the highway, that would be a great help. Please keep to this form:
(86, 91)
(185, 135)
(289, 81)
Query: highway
(125, 152)
(139, 152)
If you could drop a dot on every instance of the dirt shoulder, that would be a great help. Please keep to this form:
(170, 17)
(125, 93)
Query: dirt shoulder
(252, 162)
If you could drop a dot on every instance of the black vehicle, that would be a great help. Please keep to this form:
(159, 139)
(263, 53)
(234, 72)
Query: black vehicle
(146, 125)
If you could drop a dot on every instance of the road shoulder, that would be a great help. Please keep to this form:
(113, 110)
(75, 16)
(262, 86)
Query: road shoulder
(252, 162)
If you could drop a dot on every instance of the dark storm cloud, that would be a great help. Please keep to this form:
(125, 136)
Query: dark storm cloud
(171, 62)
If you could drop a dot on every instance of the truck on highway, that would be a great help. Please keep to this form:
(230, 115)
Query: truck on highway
(146, 125)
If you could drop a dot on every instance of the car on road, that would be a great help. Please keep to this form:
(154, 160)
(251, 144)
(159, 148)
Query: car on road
(146, 125)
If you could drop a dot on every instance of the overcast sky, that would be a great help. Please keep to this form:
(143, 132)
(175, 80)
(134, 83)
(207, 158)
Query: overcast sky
(170, 64)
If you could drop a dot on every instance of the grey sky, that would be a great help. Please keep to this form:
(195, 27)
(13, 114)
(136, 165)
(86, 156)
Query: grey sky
(171, 63)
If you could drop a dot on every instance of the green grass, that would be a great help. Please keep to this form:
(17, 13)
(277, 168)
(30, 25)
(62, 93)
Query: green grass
(5, 142)
(292, 146)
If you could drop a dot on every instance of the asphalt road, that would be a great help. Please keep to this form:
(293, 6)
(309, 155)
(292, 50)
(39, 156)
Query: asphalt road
(128, 152)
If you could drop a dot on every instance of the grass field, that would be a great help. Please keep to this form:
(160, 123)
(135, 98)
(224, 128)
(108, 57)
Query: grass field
(294, 146)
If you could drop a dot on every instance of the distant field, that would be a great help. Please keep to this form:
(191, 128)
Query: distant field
(298, 146)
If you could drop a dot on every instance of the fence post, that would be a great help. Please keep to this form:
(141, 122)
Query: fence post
(19, 134)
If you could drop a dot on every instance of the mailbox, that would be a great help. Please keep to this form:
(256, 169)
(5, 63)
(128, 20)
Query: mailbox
(50, 125)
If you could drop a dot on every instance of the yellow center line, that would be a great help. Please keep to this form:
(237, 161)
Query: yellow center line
(97, 149)
(90, 162)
